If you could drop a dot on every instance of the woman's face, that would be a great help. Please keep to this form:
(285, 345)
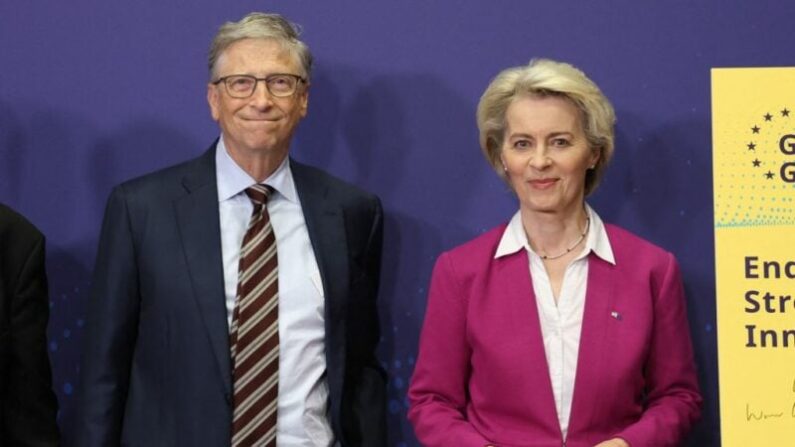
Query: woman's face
(545, 154)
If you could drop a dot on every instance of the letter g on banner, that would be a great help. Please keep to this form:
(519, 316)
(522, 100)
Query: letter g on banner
(787, 144)
(788, 172)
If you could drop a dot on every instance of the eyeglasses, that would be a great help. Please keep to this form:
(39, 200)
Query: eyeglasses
(279, 85)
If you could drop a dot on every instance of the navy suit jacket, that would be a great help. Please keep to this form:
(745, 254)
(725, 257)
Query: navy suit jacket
(27, 402)
(157, 368)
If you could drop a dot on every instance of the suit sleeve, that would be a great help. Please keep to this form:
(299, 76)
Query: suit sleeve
(438, 390)
(111, 329)
(370, 395)
(30, 406)
(673, 402)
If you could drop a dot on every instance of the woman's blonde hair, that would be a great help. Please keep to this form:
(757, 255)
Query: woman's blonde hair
(545, 77)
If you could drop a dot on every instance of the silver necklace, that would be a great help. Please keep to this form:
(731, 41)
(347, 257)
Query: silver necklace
(572, 246)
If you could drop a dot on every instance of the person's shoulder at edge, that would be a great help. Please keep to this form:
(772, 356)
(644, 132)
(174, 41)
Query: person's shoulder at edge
(14, 224)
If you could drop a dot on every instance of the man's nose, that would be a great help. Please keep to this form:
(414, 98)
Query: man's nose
(261, 96)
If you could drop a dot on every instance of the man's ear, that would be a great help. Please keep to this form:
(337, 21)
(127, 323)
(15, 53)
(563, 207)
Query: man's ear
(304, 101)
(213, 100)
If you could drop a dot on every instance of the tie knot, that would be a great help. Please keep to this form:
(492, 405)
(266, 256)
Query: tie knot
(259, 194)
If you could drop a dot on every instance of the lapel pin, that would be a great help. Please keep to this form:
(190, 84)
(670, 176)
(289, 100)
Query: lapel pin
(615, 315)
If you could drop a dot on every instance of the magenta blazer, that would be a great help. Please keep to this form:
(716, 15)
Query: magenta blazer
(482, 377)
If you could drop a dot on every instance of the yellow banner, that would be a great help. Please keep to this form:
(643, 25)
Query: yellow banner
(753, 137)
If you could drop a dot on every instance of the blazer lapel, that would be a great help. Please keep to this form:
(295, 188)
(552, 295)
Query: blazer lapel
(325, 223)
(517, 288)
(593, 341)
(199, 229)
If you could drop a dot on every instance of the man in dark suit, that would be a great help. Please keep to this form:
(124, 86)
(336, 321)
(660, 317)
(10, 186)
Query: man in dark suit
(27, 403)
(234, 296)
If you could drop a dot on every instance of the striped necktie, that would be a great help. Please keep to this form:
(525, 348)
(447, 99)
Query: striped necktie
(255, 331)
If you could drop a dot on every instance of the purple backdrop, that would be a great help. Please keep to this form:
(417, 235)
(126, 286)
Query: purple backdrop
(95, 92)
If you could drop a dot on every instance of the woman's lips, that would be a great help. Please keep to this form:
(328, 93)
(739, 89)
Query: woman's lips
(543, 183)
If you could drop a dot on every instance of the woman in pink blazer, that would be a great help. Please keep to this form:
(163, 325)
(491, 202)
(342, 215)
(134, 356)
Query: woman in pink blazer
(554, 329)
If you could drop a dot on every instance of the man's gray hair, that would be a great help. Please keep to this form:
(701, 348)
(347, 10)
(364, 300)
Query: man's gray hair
(257, 25)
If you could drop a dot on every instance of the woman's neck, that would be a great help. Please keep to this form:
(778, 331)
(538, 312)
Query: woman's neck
(553, 233)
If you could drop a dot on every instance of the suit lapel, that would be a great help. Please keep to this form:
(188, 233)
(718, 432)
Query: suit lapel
(199, 228)
(515, 278)
(325, 223)
(599, 300)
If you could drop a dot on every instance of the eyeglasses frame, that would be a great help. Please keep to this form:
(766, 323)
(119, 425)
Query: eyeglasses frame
(298, 79)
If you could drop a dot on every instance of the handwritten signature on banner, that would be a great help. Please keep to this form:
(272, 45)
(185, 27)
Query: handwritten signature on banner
(753, 415)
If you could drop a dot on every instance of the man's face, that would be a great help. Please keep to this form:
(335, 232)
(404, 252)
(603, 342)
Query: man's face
(261, 123)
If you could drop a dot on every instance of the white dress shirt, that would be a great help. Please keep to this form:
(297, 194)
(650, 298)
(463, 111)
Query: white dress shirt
(302, 418)
(561, 321)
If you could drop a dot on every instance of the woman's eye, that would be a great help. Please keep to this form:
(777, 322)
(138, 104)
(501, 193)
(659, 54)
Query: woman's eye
(561, 142)
(521, 144)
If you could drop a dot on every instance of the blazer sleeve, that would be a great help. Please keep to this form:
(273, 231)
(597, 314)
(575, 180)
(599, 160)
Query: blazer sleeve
(111, 329)
(673, 402)
(30, 406)
(438, 390)
(369, 395)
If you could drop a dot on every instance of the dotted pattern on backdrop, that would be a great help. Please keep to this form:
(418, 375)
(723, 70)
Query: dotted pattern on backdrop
(399, 373)
(68, 291)
(403, 336)
(755, 186)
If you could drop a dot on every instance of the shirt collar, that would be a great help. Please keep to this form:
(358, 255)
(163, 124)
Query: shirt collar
(515, 239)
(233, 180)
